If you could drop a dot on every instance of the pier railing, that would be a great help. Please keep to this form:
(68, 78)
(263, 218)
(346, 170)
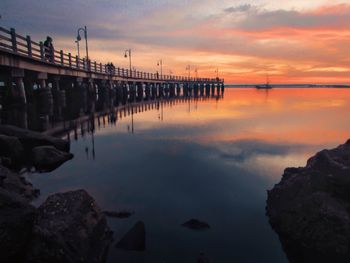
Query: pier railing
(12, 42)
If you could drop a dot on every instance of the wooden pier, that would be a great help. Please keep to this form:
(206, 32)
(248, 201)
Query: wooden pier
(26, 65)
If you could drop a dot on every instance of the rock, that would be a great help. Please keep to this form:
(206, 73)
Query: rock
(309, 208)
(16, 223)
(69, 228)
(134, 239)
(48, 158)
(118, 214)
(202, 258)
(11, 148)
(31, 139)
(196, 225)
(16, 183)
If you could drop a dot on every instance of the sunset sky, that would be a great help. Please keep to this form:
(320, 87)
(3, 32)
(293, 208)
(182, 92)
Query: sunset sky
(295, 41)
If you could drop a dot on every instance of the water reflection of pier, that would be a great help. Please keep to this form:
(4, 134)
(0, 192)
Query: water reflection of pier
(76, 112)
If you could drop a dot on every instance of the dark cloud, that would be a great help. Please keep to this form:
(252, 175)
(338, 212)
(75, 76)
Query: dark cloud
(240, 8)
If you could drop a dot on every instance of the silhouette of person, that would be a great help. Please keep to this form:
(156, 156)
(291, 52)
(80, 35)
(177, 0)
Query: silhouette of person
(49, 49)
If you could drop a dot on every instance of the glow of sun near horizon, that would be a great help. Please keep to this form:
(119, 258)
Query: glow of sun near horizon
(293, 41)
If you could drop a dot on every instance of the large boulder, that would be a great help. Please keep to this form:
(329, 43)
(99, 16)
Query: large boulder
(11, 148)
(16, 183)
(310, 208)
(48, 158)
(16, 223)
(69, 228)
(31, 139)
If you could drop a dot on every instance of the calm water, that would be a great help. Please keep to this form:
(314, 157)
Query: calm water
(212, 160)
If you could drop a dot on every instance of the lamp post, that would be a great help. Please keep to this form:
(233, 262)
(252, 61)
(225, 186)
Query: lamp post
(84, 29)
(126, 54)
(217, 73)
(196, 71)
(189, 70)
(160, 63)
(76, 41)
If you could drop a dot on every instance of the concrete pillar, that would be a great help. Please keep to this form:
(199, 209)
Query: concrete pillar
(222, 88)
(18, 92)
(218, 89)
(148, 91)
(207, 89)
(212, 89)
(196, 89)
(178, 89)
(201, 89)
(139, 87)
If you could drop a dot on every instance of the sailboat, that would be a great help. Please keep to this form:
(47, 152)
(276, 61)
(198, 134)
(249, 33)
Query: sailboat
(265, 86)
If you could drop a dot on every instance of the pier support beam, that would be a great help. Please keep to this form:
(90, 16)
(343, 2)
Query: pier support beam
(18, 91)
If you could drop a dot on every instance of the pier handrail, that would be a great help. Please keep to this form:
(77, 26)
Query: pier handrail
(14, 43)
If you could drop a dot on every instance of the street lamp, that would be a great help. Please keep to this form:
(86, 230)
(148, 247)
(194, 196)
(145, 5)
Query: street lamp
(76, 41)
(189, 70)
(86, 42)
(196, 71)
(126, 54)
(217, 73)
(160, 63)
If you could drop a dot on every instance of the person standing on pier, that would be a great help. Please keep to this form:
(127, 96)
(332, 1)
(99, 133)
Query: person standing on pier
(49, 49)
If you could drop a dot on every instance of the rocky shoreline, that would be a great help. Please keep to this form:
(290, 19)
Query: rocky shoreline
(67, 227)
(310, 208)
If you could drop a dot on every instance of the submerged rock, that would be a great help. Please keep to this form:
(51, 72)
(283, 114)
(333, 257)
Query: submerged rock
(69, 228)
(196, 225)
(31, 139)
(134, 239)
(16, 222)
(16, 183)
(48, 158)
(118, 214)
(310, 208)
(202, 258)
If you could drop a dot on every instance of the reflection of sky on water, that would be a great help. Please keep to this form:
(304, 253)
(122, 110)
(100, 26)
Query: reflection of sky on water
(212, 161)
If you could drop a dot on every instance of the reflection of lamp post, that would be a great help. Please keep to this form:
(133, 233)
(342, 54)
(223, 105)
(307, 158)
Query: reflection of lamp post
(160, 63)
(189, 70)
(86, 42)
(76, 41)
(128, 52)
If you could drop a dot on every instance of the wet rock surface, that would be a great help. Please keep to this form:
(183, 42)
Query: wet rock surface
(16, 183)
(69, 228)
(134, 239)
(16, 222)
(310, 208)
(20, 148)
(31, 139)
(11, 148)
(48, 158)
(196, 224)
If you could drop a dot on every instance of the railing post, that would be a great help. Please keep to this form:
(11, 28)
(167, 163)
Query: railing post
(118, 71)
(77, 61)
(95, 66)
(70, 59)
(62, 58)
(101, 67)
(13, 39)
(42, 51)
(29, 46)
